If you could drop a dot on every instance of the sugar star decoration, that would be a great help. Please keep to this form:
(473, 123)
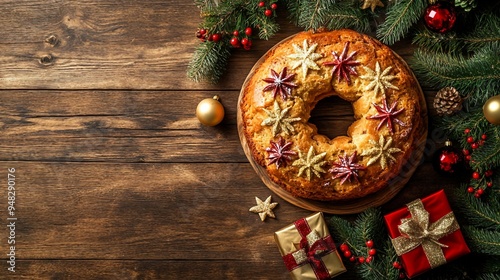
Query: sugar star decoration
(379, 80)
(279, 153)
(310, 163)
(343, 65)
(278, 120)
(372, 4)
(381, 151)
(305, 57)
(280, 84)
(387, 114)
(264, 209)
(346, 168)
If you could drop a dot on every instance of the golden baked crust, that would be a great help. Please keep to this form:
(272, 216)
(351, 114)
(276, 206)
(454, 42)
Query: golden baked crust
(382, 76)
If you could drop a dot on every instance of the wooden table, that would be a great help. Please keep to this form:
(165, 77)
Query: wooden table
(115, 176)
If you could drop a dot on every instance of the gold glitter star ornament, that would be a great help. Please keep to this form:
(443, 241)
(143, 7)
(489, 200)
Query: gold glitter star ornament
(372, 4)
(264, 208)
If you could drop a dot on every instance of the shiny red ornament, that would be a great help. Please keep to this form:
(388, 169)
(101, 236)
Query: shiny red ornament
(344, 247)
(470, 189)
(347, 254)
(467, 131)
(248, 31)
(476, 175)
(369, 243)
(216, 37)
(372, 252)
(274, 6)
(262, 4)
(489, 184)
(440, 17)
(361, 259)
(470, 139)
(449, 161)
(268, 13)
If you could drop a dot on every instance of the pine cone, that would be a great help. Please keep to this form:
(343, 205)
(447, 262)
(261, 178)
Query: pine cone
(467, 5)
(447, 101)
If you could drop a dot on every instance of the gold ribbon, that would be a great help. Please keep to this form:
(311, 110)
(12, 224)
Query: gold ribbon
(417, 231)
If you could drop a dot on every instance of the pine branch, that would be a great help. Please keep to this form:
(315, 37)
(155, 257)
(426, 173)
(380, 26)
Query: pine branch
(475, 212)
(209, 62)
(482, 241)
(313, 15)
(485, 32)
(400, 17)
(477, 76)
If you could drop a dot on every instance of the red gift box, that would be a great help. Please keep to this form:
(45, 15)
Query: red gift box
(429, 245)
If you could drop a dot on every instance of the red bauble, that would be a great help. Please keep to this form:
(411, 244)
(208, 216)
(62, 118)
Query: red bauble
(268, 13)
(440, 17)
(449, 160)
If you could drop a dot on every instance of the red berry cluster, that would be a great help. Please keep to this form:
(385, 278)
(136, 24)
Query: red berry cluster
(347, 253)
(268, 9)
(246, 41)
(481, 181)
(203, 35)
(398, 266)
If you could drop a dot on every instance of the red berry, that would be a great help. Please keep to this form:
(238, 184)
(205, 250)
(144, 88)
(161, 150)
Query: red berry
(476, 175)
(480, 191)
(488, 173)
(236, 33)
(216, 37)
(235, 42)
(470, 189)
(369, 243)
(369, 259)
(262, 4)
(489, 184)
(210, 37)
(466, 152)
(248, 46)
(477, 195)
(372, 252)
(244, 41)
(396, 265)
(347, 254)
(361, 259)
(474, 145)
(352, 259)
(274, 6)
(467, 131)
(484, 137)
(344, 247)
(470, 139)
(248, 31)
(268, 13)
(467, 157)
(402, 275)
(203, 31)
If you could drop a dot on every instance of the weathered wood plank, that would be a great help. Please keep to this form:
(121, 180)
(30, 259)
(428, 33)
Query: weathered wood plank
(130, 126)
(104, 45)
(150, 270)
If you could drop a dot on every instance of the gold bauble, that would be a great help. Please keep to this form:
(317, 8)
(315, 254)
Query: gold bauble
(491, 109)
(210, 111)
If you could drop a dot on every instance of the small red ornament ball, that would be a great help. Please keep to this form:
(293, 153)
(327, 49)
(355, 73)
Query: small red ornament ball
(449, 161)
(216, 37)
(262, 4)
(369, 259)
(235, 42)
(470, 189)
(372, 252)
(470, 139)
(440, 17)
(396, 265)
(274, 6)
(476, 175)
(352, 259)
(369, 243)
(467, 131)
(489, 184)
(347, 254)
(474, 145)
(268, 13)
(361, 259)
(480, 191)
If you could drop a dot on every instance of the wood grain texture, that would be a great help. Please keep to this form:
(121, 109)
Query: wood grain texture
(116, 177)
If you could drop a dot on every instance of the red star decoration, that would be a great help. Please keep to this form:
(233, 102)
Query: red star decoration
(346, 168)
(343, 65)
(280, 84)
(280, 153)
(386, 114)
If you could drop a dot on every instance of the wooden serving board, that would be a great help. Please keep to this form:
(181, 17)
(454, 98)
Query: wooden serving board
(352, 206)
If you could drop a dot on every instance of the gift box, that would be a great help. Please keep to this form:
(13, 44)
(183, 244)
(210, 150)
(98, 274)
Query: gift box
(426, 234)
(308, 249)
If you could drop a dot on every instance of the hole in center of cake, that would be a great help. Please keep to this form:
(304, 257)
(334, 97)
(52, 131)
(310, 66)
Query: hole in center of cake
(332, 116)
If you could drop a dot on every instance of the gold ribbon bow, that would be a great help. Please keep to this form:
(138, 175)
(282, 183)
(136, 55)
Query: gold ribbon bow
(418, 231)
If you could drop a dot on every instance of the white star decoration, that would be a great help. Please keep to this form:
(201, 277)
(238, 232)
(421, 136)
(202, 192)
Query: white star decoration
(278, 119)
(305, 57)
(380, 80)
(264, 209)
